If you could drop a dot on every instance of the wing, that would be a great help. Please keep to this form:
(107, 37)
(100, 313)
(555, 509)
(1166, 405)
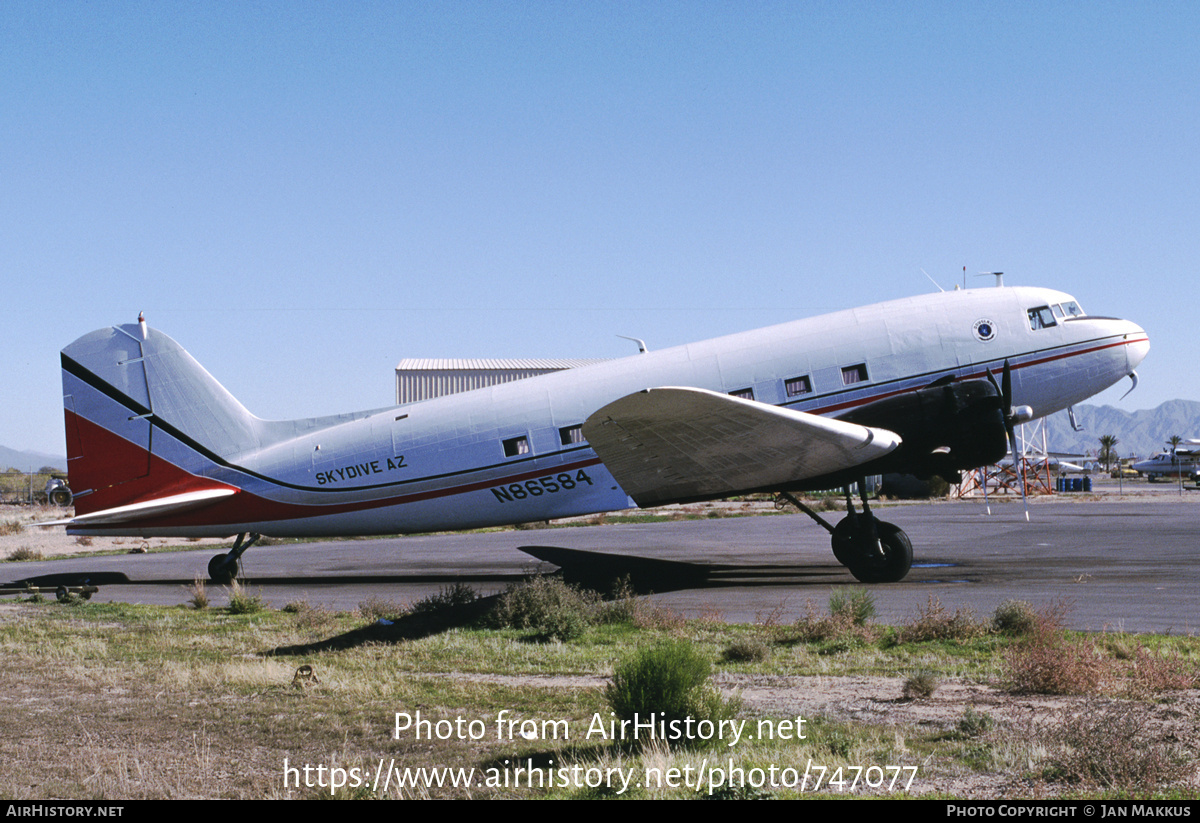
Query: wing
(670, 444)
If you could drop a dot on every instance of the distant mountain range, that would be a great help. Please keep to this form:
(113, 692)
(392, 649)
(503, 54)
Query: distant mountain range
(1140, 433)
(13, 459)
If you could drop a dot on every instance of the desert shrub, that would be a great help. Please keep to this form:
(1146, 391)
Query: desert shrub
(747, 650)
(1049, 662)
(672, 681)
(199, 592)
(557, 611)
(935, 622)
(1015, 618)
(376, 608)
(24, 553)
(1153, 673)
(920, 685)
(11, 527)
(308, 616)
(855, 605)
(1113, 746)
(837, 632)
(447, 599)
(973, 723)
(241, 601)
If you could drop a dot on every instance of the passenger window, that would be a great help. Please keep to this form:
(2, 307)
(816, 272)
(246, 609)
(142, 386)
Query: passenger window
(1041, 318)
(854, 374)
(516, 446)
(798, 385)
(745, 394)
(570, 435)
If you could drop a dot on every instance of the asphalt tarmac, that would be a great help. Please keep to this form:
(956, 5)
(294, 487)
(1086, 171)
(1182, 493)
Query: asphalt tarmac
(1128, 565)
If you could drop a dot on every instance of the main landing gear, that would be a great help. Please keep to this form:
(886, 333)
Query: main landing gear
(873, 551)
(223, 568)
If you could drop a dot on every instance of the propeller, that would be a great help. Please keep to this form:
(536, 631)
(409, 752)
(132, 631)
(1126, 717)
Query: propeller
(1013, 415)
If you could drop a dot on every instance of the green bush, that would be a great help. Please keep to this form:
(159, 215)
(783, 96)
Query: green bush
(672, 682)
(242, 601)
(974, 724)
(447, 599)
(547, 605)
(1015, 618)
(920, 685)
(747, 650)
(855, 605)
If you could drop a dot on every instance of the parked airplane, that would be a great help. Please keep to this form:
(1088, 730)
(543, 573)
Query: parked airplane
(1175, 461)
(157, 447)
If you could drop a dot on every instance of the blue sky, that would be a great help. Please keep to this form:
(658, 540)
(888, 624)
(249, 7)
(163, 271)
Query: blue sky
(302, 194)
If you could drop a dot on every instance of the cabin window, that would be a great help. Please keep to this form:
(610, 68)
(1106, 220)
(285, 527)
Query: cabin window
(570, 435)
(745, 394)
(854, 374)
(515, 446)
(798, 385)
(1041, 318)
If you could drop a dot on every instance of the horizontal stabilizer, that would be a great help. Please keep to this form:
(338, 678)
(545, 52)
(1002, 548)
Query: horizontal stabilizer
(146, 509)
(668, 445)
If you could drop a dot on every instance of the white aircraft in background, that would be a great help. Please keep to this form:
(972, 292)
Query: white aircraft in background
(1176, 461)
(157, 447)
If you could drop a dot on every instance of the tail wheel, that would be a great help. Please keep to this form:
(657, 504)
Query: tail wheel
(222, 570)
(896, 560)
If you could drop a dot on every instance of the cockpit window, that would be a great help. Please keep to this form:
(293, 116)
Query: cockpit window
(1041, 318)
(1071, 308)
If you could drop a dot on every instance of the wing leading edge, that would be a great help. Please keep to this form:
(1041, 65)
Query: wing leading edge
(667, 445)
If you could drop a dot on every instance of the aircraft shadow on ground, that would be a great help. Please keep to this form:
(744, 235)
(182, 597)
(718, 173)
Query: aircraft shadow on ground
(586, 569)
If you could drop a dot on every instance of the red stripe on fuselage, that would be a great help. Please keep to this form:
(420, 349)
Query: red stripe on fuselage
(862, 401)
(246, 507)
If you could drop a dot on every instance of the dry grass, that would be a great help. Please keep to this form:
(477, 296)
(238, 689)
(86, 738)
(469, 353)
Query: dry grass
(1113, 746)
(920, 685)
(935, 622)
(199, 593)
(1048, 661)
(24, 553)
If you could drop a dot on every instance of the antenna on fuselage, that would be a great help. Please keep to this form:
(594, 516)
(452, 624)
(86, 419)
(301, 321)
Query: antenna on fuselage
(999, 275)
(931, 280)
(641, 343)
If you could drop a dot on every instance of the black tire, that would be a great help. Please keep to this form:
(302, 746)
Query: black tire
(221, 570)
(897, 559)
(60, 497)
(843, 543)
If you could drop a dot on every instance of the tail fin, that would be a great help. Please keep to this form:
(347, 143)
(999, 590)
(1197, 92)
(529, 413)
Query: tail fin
(144, 420)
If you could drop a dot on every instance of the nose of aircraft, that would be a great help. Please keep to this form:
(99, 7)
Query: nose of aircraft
(1137, 343)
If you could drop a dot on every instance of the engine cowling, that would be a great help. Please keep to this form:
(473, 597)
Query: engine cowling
(945, 427)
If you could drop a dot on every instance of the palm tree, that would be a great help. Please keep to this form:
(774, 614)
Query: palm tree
(1107, 444)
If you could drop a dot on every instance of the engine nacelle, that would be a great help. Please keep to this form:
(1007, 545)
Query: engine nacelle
(945, 427)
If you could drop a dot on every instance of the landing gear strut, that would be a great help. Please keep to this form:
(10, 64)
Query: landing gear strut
(873, 551)
(223, 568)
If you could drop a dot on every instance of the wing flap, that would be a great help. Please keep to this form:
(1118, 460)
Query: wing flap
(670, 444)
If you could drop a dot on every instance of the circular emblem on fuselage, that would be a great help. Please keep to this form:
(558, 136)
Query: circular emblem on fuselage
(985, 330)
